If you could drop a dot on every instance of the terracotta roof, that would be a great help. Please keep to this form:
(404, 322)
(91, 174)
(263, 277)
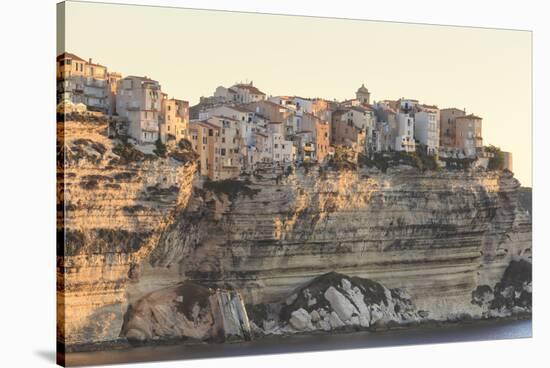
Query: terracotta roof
(92, 64)
(68, 55)
(470, 116)
(429, 106)
(451, 108)
(250, 88)
(267, 102)
(225, 117)
(240, 108)
(145, 79)
(177, 100)
(205, 124)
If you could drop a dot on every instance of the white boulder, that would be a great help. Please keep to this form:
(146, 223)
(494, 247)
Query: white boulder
(346, 284)
(340, 304)
(335, 321)
(325, 324)
(354, 321)
(364, 320)
(315, 317)
(300, 320)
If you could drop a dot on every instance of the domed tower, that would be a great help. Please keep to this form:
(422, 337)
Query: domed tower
(363, 94)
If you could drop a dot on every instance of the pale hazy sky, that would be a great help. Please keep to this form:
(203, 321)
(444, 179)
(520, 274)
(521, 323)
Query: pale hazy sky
(191, 52)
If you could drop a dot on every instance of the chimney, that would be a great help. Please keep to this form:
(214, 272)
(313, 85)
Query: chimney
(89, 60)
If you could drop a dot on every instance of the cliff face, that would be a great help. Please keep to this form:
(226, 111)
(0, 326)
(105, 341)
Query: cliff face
(368, 247)
(117, 200)
(435, 235)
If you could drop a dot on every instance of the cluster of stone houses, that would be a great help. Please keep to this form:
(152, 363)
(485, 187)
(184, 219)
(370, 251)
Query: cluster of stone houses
(150, 114)
(240, 127)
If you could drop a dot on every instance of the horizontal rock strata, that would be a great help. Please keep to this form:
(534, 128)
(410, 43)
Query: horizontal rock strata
(436, 235)
(112, 207)
(309, 249)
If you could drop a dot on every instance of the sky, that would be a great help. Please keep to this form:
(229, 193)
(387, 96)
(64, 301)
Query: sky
(191, 52)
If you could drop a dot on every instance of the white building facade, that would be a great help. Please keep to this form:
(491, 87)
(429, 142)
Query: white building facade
(426, 127)
(404, 140)
(139, 99)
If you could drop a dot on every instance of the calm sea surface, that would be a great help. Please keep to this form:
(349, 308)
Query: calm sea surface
(474, 331)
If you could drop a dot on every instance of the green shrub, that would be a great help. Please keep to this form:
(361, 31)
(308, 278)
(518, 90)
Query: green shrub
(289, 170)
(427, 162)
(307, 165)
(231, 187)
(452, 163)
(497, 161)
(128, 153)
(160, 149)
(184, 152)
(342, 160)
(384, 160)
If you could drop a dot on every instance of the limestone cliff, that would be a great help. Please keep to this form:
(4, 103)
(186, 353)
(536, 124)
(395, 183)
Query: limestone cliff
(113, 202)
(369, 248)
(435, 235)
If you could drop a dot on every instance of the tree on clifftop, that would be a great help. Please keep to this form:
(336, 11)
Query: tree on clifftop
(497, 161)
